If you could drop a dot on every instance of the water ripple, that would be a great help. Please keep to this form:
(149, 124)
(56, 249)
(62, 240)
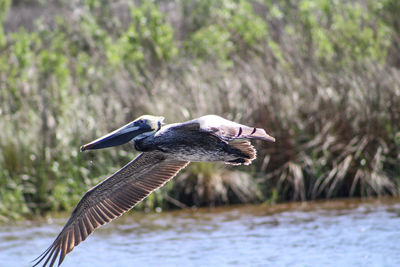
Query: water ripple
(331, 233)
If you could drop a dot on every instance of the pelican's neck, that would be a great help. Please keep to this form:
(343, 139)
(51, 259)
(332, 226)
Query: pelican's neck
(143, 142)
(144, 135)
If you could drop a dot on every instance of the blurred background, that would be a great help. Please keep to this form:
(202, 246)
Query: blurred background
(322, 76)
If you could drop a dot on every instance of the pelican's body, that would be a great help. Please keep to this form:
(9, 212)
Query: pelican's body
(202, 139)
(166, 150)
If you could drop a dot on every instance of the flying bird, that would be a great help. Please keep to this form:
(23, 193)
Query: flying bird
(166, 149)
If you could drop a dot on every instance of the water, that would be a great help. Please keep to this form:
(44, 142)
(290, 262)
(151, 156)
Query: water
(332, 233)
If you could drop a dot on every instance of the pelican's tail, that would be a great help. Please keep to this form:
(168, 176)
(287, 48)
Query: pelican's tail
(244, 150)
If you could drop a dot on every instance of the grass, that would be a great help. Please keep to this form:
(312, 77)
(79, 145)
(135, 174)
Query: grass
(322, 78)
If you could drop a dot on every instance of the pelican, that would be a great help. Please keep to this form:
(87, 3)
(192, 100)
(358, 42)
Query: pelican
(166, 149)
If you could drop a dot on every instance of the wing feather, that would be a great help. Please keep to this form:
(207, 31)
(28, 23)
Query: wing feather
(229, 130)
(110, 199)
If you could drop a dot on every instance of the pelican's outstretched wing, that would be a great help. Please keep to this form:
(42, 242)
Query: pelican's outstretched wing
(229, 130)
(110, 199)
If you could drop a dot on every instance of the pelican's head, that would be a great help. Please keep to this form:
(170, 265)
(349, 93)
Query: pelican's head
(141, 127)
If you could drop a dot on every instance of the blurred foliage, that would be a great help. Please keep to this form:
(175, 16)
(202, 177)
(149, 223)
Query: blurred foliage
(221, 28)
(321, 76)
(4, 5)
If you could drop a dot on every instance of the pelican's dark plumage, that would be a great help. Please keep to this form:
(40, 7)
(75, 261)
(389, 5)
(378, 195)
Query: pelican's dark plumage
(166, 149)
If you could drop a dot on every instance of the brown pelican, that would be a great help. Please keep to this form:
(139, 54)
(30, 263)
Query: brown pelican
(167, 149)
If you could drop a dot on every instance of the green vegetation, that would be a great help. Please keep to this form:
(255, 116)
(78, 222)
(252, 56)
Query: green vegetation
(322, 76)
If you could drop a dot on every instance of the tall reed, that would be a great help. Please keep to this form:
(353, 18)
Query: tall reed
(322, 78)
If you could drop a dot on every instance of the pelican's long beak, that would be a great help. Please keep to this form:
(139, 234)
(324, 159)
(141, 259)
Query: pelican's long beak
(119, 136)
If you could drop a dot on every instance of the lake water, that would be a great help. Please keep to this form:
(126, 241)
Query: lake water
(330, 233)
